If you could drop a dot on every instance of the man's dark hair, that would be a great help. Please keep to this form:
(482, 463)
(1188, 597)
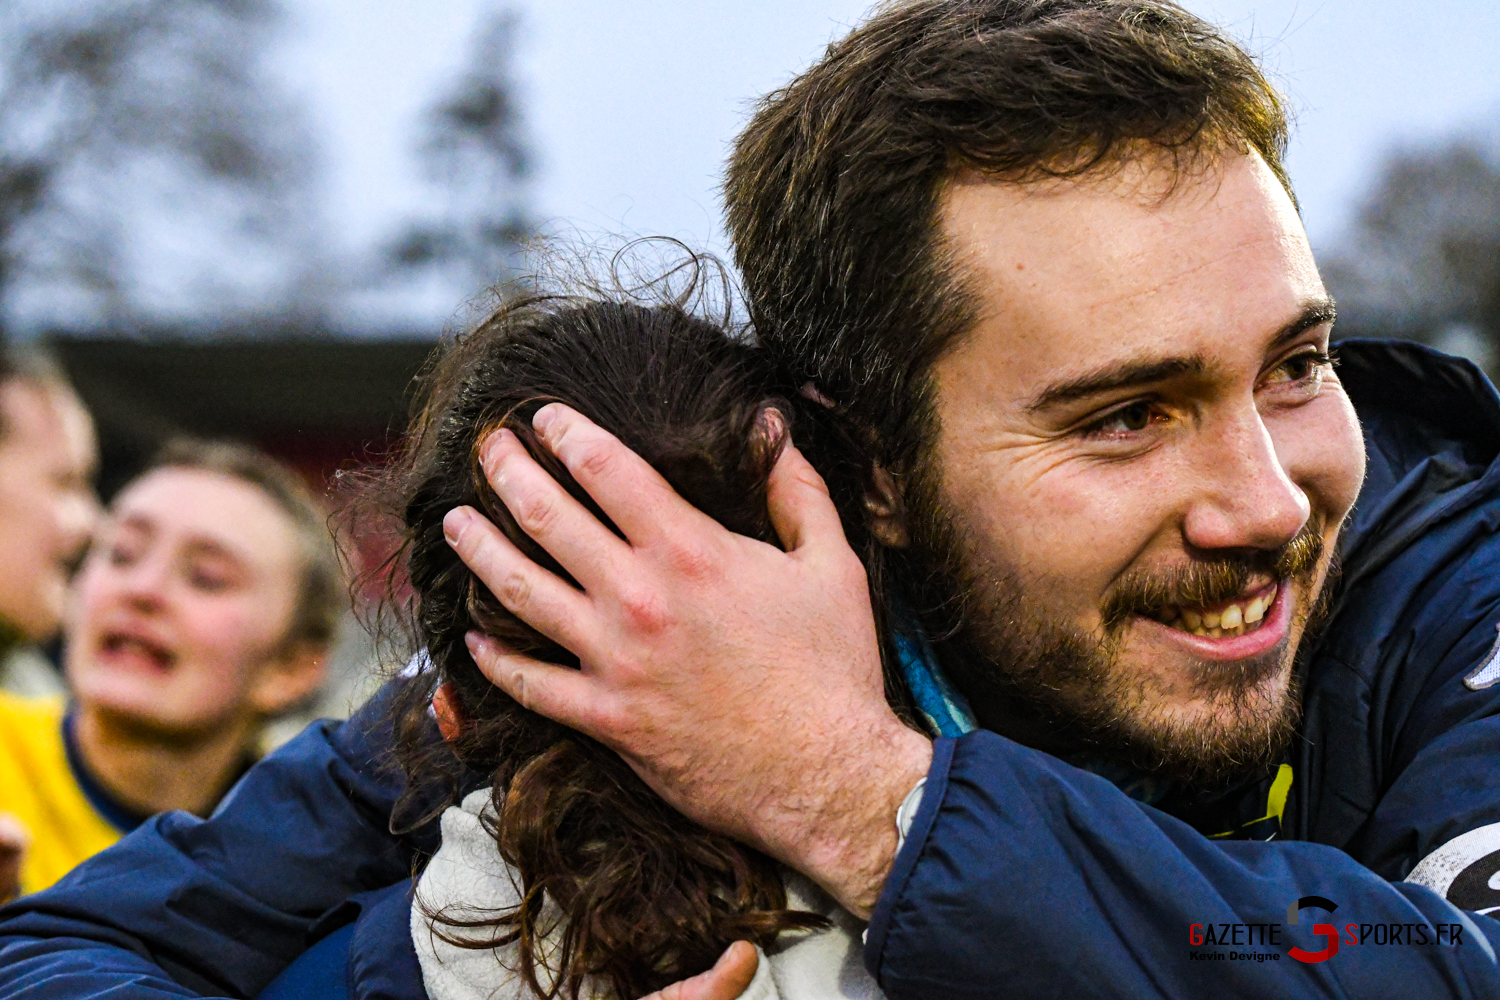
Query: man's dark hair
(833, 190)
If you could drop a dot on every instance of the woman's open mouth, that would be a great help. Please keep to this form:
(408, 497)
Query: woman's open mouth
(125, 646)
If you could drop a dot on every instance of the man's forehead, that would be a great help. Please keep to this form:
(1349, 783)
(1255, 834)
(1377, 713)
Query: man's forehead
(1088, 271)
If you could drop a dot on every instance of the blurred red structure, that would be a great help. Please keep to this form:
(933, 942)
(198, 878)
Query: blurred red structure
(317, 403)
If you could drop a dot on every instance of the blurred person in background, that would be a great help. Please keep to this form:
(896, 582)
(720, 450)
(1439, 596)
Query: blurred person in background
(204, 609)
(48, 509)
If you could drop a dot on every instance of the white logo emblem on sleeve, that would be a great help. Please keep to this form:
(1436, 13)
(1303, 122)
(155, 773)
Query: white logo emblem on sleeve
(1488, 672)
(1465, 871)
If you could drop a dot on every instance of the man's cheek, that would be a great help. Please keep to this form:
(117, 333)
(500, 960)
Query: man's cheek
(1322, 449)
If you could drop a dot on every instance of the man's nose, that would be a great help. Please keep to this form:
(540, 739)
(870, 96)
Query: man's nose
(1244, 499)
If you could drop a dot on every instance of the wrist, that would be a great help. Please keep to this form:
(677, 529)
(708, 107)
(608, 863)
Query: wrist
(848, 841)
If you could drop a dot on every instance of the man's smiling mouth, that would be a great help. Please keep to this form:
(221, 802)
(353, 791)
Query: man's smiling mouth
(1225, 620)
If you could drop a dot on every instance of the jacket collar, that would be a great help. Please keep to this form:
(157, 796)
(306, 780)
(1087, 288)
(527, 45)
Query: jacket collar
(1431, 425)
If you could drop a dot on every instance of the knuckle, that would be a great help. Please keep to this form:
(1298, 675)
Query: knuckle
(593, 459)
(689, 559)
(523, 692)
(643, 610)
(536, 513)
(514, 590)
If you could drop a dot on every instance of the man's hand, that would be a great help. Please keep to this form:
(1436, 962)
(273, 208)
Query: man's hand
(12, 852)
(730, 976)
(742, 682)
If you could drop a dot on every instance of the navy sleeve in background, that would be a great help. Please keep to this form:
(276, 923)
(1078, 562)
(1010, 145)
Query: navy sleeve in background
(1024, 874)
(187, 907)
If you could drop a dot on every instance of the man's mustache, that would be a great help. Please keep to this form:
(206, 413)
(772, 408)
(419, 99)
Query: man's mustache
(1207, 582)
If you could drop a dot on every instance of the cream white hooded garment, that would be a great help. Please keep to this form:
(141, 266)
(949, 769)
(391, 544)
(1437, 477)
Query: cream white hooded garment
(467, 879)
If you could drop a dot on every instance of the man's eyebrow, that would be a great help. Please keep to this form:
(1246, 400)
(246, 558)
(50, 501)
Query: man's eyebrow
(1128, 375)
(1314, 314)
(1133, 374)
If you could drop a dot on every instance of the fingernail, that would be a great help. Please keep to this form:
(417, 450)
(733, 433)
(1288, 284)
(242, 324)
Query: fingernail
(480, 645)
(546, 417)
(729, 954)
(489, 452)
(770, 422)
(454, 523)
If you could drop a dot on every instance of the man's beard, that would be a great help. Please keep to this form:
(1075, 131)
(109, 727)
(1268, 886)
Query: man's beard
(1044, 681)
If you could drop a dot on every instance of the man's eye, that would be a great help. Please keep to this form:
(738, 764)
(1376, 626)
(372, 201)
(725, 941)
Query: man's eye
(1126, 420)
(1309, 366)
(1134, 417)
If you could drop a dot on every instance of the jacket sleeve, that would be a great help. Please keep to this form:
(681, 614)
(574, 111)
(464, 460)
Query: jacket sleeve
(1021, 870)
(183, 907)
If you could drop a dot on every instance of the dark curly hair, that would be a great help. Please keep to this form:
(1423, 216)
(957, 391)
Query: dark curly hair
(648, 897)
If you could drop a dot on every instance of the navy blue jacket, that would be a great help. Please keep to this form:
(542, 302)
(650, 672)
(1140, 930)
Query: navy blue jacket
(1022, 875)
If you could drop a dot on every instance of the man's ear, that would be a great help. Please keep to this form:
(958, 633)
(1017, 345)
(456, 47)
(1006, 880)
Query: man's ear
(445, 708)
(886, 509)
(289, 678)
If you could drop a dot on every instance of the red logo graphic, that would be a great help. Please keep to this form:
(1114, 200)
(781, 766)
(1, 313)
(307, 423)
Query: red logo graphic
(1223, 939)
(1328, 931)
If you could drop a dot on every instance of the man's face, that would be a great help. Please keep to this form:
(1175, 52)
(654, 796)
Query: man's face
(47, 502)
(182, 607)
(1143, 460)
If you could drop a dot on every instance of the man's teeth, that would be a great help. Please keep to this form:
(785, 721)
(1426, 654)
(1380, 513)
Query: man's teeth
(1230, 620)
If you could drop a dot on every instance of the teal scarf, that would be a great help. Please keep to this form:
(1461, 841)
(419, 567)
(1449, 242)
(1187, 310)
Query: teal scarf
(946, 711)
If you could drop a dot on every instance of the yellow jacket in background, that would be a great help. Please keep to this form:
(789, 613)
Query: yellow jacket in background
(39, 786)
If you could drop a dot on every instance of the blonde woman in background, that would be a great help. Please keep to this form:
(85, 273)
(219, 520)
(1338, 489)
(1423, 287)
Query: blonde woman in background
(204, 609)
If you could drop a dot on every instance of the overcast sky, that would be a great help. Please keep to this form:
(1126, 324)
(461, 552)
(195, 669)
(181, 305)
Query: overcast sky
(631, 106)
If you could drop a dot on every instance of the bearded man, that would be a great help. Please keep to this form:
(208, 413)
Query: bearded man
(1043, 257)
